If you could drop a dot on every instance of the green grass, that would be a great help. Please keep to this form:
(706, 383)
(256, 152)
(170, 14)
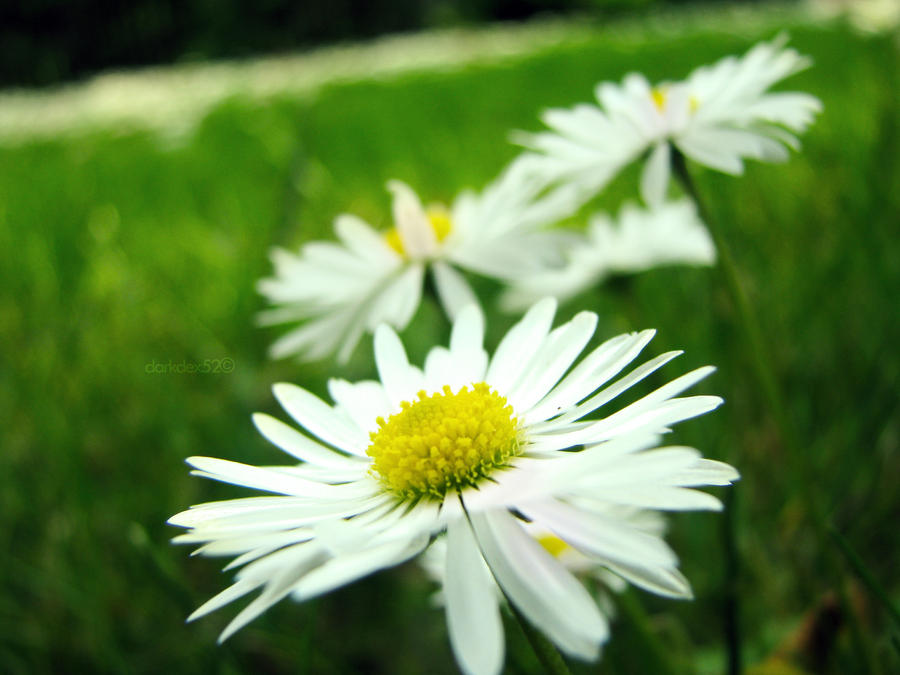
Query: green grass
(120, 249)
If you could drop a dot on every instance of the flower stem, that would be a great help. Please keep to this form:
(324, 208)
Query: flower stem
(863, 572)
(804, 473)
(749, 324)
(547, 654)
(638, 620)
(731, 597)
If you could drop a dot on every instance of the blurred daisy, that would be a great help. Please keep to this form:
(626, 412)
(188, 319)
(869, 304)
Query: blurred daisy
(340, 290)
(585, 567)
(669, 234)
(721, 115)
(470, 446)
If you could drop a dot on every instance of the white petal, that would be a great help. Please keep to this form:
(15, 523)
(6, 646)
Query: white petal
(706, 472)
(664, 581)
(349, 567)
(664, 498)
(363, 401)
(261, 478)
(275, 590)
(466, 350)
(603, 537)
(298, 445)
(473, 617)
(552, 361)
(230, 594)
(600, 365)
(401, 380)
(655, 177)
(396, 302)
(412, 224)
(541, 588)
(453, 290)
(319, 418)
(359, 237)
(519, 345)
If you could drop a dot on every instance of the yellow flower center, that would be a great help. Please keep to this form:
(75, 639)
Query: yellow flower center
(659, 97)
(443, 442)
(438, 218)
(552, 544)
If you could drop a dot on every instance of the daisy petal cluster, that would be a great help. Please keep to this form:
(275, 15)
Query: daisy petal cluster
(376, 277)
(639, 239)
(478, 449)
(605, 583)
(719, 116)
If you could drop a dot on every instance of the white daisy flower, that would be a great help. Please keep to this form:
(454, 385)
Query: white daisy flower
(721, 115)
(668, 234)
(340, 290)
(469, 446)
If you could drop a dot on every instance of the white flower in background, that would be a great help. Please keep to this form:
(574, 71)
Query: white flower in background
(468, 445)
(583, 566)
(719, 116)
(669, 234)
(340, 290)
(869, 16)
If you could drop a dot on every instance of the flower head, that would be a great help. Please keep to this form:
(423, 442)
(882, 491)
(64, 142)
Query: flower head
(640, 239)
(472, 447)
(719, 116)
(340, 290)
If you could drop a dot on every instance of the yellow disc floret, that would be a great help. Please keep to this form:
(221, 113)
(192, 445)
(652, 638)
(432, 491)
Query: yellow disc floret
(439, 219)
(659, 96)
(553, 544)
(444, 442)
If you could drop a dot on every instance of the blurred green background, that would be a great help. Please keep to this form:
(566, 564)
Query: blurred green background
(122, 247)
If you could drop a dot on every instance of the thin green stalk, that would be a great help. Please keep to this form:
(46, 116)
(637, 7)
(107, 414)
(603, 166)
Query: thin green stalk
(749, 324)
(731, 600)
(638, 620)
(547, 654)
(803, 472)
(865, 575)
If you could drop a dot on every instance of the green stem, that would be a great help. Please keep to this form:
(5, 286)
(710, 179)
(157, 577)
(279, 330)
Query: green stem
(749, 324)
(862, 571)
(731, 601)
(547, 654)
(638, 620)
(804, 474)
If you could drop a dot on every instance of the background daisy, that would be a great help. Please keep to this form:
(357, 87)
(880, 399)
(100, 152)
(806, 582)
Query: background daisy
(639, 239)
(719, 116)
(605, 583)
(338, 291)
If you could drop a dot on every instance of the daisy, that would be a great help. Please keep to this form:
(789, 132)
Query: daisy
(670, 233)
(719, 116)
(472, 447)
(340, 290)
